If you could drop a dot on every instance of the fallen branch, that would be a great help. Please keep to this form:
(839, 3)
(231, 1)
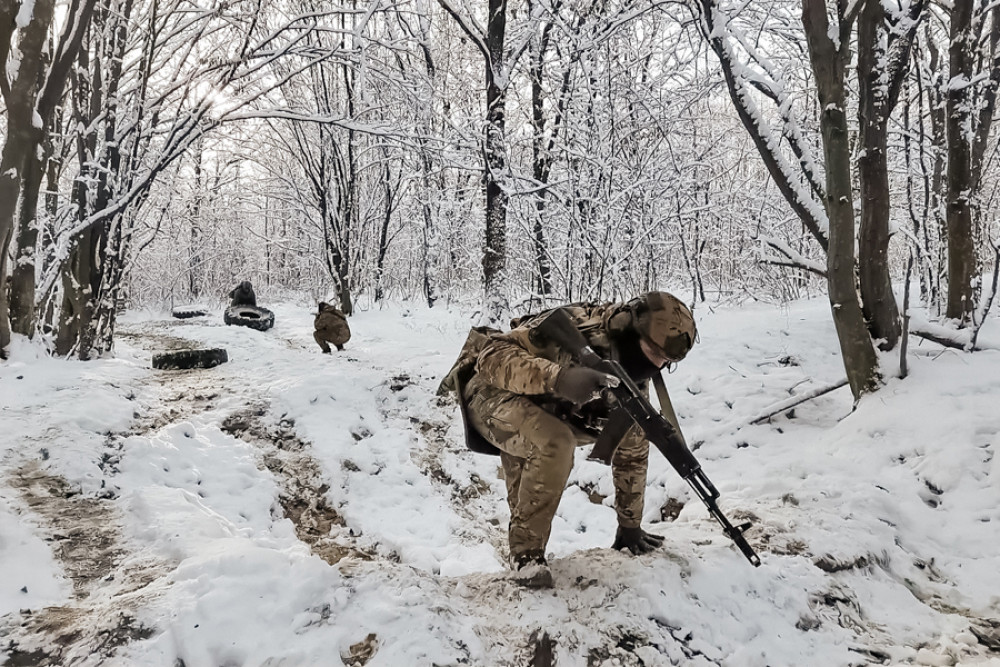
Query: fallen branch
(942, 340)
(966, 339)
(796, 400)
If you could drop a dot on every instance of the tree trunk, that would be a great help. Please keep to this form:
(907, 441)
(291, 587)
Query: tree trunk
(22, 136)
(383, 235)
(988, 103)
(828, 64)
(429, 232)
(348, 184)
(495, 162)
(79, 303)
(914, 132)
(194, 211)
(5, 332)
(541, 161)
(939, 149)
(878, 302)
(962, 261)
(22, 280)
(336, 255)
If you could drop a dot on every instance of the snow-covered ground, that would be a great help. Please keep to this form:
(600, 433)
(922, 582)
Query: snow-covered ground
(295, 508)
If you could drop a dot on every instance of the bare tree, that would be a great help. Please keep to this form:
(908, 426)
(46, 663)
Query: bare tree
(498, 60)
(32, 86)
(962, 263)
(829, 53)
(177, 91)
(974, 77)
(827, 209)
(884, 45)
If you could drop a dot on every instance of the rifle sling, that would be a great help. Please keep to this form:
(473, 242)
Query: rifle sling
(666, 407)
(619, 422)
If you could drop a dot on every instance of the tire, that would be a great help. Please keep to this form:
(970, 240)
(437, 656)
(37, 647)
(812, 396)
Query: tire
(184, 359)
(254, 317)
(184, 312)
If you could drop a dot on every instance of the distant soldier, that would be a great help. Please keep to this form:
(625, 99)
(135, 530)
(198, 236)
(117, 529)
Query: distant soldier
(331, 327)
(523, 395)
(243, 295)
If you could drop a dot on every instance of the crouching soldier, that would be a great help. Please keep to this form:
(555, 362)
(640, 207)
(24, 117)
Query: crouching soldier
(331, 327)
(523, 396)
(243, 295)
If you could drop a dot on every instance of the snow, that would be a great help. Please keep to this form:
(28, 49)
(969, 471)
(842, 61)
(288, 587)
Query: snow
(27, 561)
(877, 524)
(24, 13)
(790, 255)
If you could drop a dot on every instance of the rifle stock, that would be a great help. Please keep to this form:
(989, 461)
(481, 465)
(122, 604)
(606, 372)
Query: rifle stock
(557, 326)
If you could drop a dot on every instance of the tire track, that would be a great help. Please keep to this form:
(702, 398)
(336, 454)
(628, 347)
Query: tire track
(109, 582)
(472, 499)
(302, 494)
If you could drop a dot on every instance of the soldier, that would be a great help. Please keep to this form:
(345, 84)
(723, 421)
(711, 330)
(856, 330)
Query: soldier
(527, 399)
(331, 327)
(243, 295)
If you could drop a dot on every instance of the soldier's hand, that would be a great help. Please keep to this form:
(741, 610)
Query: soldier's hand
(636, 540)
(580, 384)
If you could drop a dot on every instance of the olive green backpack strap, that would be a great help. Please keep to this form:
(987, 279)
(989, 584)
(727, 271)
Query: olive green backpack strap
(666, 407)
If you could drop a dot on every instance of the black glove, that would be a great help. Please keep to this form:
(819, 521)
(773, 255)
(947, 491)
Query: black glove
(636, 540)
(580, 384)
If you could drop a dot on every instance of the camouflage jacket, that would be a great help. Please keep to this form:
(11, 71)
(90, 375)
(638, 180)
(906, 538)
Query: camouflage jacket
(332, 324)
(520, 361)
(523, 362)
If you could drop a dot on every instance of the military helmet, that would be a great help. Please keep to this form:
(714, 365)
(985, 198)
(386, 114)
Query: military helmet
(663, 321)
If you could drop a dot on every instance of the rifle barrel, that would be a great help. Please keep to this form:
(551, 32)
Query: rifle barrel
(705, 490)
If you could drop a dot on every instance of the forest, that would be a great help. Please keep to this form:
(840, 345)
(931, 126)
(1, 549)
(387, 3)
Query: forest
(815, 180)
(514, 153)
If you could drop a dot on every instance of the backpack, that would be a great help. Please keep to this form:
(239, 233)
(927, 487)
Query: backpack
(465, 365)
(459, 375)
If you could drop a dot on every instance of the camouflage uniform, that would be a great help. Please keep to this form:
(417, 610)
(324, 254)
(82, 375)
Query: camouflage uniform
(243, 295)
(510, 401)
(331, 327)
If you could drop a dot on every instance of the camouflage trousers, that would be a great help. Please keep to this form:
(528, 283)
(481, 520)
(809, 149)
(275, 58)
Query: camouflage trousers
(537, 455)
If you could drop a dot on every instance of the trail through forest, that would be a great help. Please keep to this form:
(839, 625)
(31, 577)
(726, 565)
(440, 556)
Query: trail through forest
(287, 506)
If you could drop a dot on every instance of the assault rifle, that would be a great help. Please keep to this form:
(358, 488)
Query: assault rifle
(630, 400)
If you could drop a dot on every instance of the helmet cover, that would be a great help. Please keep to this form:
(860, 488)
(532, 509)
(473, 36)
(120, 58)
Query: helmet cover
(663, 321)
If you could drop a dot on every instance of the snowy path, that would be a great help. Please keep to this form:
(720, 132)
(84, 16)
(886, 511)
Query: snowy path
(288, 507)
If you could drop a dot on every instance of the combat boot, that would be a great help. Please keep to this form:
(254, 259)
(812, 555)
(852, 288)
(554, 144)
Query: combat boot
(531, 571)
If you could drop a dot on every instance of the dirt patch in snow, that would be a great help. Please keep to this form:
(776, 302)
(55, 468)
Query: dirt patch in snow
(303, 491)
(108, 584)
(467, 496)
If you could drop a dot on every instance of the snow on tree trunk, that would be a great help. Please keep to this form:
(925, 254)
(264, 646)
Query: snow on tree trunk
(874, 104)
(23, 132)
(494, 156)
(963, 275)
(828, 63)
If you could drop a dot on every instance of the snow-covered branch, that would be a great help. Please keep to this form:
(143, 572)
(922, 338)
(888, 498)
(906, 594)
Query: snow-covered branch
(714, 26)
(789, 257)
